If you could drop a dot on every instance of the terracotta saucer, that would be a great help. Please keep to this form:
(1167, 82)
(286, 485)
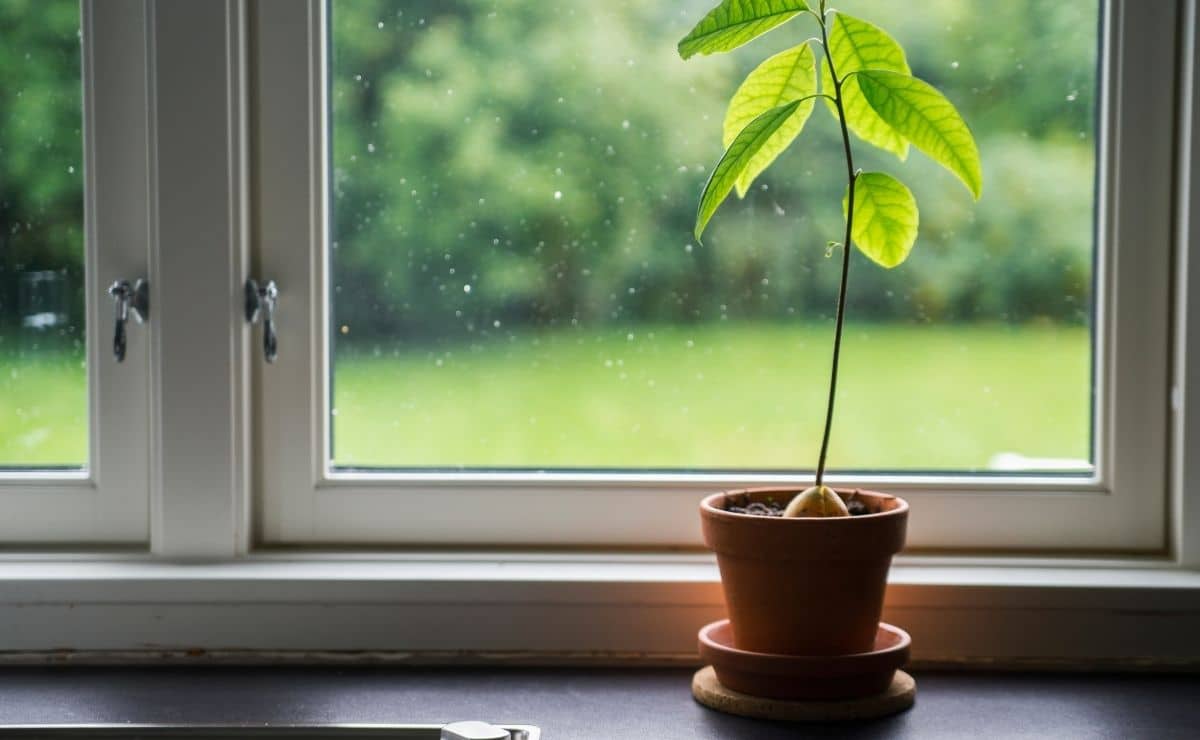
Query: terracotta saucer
(800, 677)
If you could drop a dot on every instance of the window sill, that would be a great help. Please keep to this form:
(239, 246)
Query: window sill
(564, 607)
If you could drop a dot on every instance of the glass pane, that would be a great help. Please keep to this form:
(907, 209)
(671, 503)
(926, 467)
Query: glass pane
(515, 284)
(43, 379)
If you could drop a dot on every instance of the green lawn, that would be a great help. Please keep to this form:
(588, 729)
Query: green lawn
(734, 396)
(737, 396)
(43, 406)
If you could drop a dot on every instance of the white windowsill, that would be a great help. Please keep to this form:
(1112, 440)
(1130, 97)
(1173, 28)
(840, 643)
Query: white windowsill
(563, 607)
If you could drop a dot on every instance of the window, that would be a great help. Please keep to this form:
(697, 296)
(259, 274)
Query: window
(73, 448)
(490, 309)
(500, 341)
(42, 341)
(216, 142)
(515, 285)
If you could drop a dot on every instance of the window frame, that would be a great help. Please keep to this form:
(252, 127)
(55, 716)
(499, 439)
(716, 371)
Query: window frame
(165, 199)
(1121, 507)
(107, 501)
(238, 600)
(1185, 389)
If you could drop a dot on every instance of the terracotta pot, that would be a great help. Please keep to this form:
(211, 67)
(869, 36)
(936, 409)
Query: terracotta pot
(804, 586)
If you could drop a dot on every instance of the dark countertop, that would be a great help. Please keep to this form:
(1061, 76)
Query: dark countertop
(578, 704)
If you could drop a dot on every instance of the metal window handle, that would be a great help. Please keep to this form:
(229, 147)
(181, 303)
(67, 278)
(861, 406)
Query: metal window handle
(261, 301)
(128, 299)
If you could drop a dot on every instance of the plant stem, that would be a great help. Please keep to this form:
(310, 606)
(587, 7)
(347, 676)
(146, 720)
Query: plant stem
(841, 305)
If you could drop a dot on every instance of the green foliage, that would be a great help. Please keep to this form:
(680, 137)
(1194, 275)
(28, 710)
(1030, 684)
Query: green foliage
(917, 111)
(856, 45)
(453, 128)
(887, 228)
(789, 75)
(734, 22)
(1024, 254)
(738, 158)
(885, 218)
(41, 149)
(584, 98)
(874, 95)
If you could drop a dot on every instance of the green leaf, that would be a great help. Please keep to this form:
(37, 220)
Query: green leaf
(856, 45)
(734, 22)
(789, 75)
(737, 157)
(885, 218)
(923, 116)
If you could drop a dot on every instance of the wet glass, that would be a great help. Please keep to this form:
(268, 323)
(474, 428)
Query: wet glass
(43, 377)
(515, 284)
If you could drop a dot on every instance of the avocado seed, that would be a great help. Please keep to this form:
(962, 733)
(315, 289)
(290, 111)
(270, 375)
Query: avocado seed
(816, 501)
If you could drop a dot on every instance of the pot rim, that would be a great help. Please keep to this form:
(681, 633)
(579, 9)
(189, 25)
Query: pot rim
(708, 505)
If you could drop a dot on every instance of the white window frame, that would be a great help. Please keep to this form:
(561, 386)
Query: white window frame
(1120, 508)
(199, 469)
(1185, 390)
(107, 501)
(165, 175)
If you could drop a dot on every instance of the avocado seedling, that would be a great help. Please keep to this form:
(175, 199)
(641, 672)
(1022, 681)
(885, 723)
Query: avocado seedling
(861, 75)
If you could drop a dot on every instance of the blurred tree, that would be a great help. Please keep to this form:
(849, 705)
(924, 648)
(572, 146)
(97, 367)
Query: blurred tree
(533, 163)
(41, 150)
(537, 163)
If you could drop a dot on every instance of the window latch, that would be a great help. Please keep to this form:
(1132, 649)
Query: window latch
(261, 301)
(128, 299)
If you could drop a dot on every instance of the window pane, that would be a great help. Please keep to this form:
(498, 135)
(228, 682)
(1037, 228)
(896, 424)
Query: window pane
(515, 284)
(43, 380)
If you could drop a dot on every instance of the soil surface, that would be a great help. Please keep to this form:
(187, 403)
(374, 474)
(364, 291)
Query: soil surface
(775, 508)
